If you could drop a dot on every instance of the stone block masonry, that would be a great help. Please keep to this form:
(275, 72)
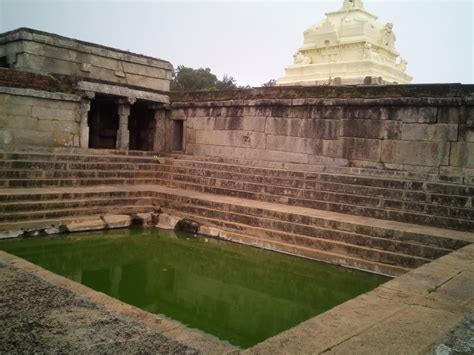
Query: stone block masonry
(422, 129)
(39, 118)
(41, 52)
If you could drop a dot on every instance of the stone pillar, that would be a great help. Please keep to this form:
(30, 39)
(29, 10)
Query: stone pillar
(159, 128)
(84, 125)
(123, 134)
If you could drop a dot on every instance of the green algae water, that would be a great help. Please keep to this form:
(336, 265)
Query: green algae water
(239, 294)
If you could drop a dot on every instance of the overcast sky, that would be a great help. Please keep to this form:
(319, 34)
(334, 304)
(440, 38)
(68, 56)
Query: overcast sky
(252, 40)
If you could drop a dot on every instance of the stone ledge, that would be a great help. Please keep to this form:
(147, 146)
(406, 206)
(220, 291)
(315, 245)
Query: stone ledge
(111, 89)
(426, 91)
(39, 94)
(405, 315)
(402, 101)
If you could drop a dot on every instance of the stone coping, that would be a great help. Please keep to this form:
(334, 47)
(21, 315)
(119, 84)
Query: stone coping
(172, 330)
(401, 101)
(405, 315)
(387, 92)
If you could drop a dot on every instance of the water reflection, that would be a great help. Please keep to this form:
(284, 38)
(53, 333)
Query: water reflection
(239, 294)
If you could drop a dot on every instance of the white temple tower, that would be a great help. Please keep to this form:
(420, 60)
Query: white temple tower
(348, 47)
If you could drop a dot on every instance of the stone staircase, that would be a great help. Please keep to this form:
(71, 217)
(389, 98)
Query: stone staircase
(372, 220)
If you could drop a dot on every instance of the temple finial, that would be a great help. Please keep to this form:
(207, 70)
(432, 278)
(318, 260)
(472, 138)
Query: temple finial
(352, 4)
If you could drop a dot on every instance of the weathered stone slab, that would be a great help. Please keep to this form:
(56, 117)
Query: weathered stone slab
(361, 149)
(274, 156)
(422, 114)
(209, 231)
(54, 114)
(415, 153)
(203, 123)
(10, 234)
(360, 128)
(291, 144)
(113, 221)
(429, 132)
(255, 123)
(244, 139)
(86, 225)
(307, 128)
(462, 154)
(329, 148)
(166, 221)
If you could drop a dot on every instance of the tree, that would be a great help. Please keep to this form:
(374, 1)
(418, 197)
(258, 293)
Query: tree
(227, 83)
(189, 79)
(269, 83)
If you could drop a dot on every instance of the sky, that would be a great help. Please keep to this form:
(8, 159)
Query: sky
(253, 41)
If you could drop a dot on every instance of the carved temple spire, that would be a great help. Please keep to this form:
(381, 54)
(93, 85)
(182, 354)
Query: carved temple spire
(352, 4)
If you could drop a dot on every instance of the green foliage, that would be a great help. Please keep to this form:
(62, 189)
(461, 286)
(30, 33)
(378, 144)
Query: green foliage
(269, 83)
(189, 79)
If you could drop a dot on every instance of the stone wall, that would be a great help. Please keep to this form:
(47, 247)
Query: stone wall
(47, 53)
(429, 130)
(39, 118)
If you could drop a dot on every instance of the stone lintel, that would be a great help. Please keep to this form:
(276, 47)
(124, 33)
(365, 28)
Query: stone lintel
(121, 91)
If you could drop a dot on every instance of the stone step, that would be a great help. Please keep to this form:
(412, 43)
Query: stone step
(423, 235)
(178, 173)
(331, 220)
(287, 231)
(232, 233)
(44, 223)
(82, 158)
(107, 164)
(354, 171)
(375, 196)
(31, 195)
(376, 207)
(63, 213)
(5, 148)
(413, 212)
(334, 195)
(11, 208)
(342, 207)
(362, 180)
(72, 182)
(325, 232)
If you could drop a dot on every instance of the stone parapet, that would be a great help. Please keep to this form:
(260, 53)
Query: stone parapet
(415, 128)
(41, 52)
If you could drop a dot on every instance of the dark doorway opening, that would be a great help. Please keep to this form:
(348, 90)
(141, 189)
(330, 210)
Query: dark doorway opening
(103, 123)
(4, 62)
(142, 127)
(177, 142)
